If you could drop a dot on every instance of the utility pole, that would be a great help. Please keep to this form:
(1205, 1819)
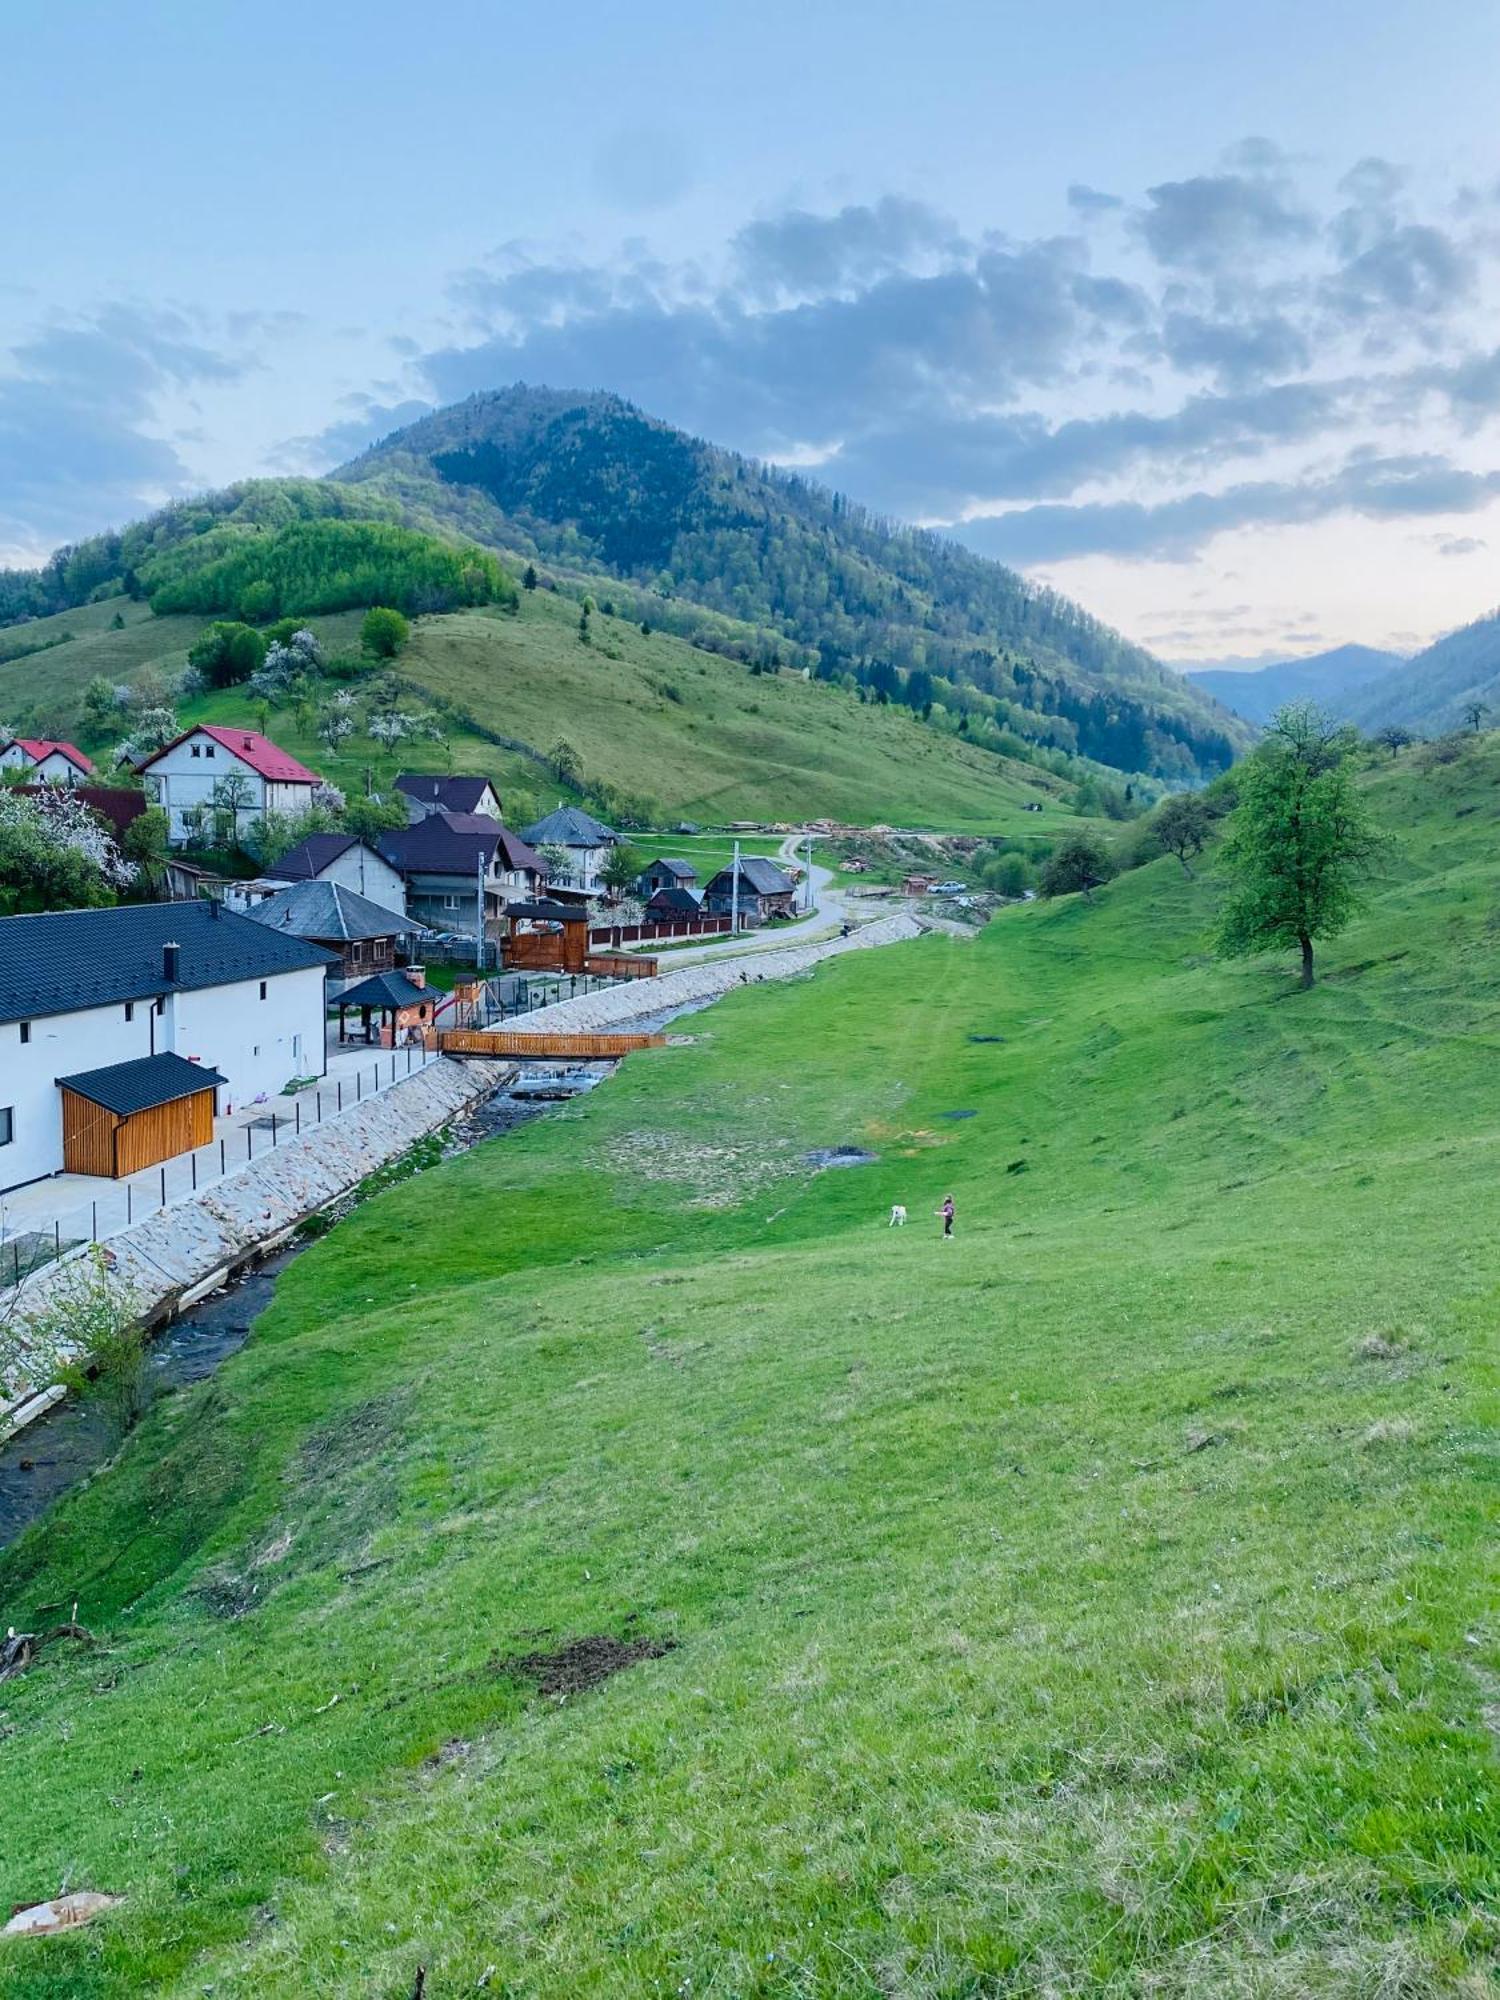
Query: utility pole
(479, 940)
(734, 894)
(808, 899)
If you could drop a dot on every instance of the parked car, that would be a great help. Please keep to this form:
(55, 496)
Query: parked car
(949, 888)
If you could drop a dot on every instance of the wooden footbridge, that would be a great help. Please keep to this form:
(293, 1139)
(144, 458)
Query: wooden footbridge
(550, 1045)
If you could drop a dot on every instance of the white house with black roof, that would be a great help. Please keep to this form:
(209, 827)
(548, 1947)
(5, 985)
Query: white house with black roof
(585, 843)
(86, 992)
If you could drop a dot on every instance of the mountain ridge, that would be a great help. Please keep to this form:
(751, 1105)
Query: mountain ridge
(1328, 678)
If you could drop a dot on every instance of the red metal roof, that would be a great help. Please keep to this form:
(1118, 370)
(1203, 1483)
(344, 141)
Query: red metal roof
(259, 752)
(41, 747)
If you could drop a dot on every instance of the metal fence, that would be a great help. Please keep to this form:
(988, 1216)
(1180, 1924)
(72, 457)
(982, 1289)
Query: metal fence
(28, 1239)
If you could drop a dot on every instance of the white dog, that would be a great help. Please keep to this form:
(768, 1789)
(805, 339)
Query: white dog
(898, 1216)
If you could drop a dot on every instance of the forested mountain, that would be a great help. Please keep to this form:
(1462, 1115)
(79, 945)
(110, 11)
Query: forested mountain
(762, 566)
(1328, 678)
(589, 480)
(1432, 692)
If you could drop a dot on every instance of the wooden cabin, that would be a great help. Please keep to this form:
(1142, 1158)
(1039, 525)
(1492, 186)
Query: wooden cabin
(136, 1114)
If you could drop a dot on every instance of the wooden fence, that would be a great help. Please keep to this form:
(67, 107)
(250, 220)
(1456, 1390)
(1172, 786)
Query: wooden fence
(553, 1045)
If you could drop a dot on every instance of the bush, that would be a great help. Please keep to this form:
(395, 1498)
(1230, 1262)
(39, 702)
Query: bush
(384, 632)
(1079, 865)
(226, 654)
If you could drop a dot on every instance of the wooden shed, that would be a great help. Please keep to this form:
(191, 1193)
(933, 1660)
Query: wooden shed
(134, 1114)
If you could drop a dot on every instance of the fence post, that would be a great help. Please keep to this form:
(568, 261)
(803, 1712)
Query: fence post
(163, 1187)
(273, 1128)
(340, 1083)
(129, 1204)
(193, 1163)
(297, 1114)
(15, 1260)
(223, 1160)
(393, 1063)
(319, 1095)
(358, 1085)
(94, 1222)
(56, 1236)
(249, 1144)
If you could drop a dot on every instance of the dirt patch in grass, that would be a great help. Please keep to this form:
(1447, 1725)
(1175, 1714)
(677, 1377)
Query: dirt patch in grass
(583, 1663)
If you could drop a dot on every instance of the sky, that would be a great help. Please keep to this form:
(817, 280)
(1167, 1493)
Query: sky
(1187, 310)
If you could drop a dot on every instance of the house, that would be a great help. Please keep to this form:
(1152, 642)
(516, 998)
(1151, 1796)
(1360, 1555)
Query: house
(48, 762)
(670, 905)
(84, 993)
(665, 874)
(764, 892)
(366, 937)
(448, 860)
(423, 795)
(188, 778)
(350, 862)
(585, 842)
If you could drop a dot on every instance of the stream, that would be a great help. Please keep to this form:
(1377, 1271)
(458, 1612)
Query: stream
(76, 1436)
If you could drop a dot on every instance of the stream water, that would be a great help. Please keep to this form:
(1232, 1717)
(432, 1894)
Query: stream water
(75, 1437)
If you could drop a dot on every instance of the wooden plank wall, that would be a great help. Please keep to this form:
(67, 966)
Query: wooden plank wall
(164, 1131)
(88, 1136)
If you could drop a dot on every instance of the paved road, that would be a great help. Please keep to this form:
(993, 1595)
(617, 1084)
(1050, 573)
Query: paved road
(830, 910)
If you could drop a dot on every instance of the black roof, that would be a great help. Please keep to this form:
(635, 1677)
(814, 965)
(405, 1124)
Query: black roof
(307, 860)
(73, 959)
(451, 794)
(762, 876)
(384, 989)
(681, 871)
(445, 843)
(328, 910)
(680, 902)
(546, 912)
(137, 1086)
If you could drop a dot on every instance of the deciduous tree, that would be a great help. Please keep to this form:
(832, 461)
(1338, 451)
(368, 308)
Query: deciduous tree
(1297, 840)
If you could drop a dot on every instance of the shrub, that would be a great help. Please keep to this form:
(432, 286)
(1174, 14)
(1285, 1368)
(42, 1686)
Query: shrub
(384, 632)
(227, 653)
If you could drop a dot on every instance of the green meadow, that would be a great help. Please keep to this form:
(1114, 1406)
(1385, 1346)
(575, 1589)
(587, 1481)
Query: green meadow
(646, 714)
(1100, 1603)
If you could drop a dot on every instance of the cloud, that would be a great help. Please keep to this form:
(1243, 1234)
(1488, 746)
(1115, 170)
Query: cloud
(1087, 201)
(1237, 353)
(1460, 545)
(1211, 220)
(78, 445)
(802, 255)
(1175, 529)
(1411, 269)
(367, 423)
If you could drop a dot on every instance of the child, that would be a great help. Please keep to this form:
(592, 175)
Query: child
(946, 1212)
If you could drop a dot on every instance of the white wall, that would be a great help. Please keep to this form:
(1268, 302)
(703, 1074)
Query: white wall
(182, 780)
(53, 769)
(362, 870)
(251, 1041)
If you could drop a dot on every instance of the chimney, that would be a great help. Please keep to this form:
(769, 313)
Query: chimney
(171, 962)
(417, 974)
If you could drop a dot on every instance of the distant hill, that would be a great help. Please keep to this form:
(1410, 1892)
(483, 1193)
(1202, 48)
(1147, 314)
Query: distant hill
(589, 480)
(1430, 692)
(1328, 678)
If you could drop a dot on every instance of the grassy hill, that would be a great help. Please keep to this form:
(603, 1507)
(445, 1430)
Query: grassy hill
(695, 732)
(1096, 1603)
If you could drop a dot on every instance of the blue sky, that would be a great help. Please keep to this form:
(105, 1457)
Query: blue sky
(1188, 309)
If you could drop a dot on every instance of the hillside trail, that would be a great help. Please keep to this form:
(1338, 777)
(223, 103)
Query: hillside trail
(829, 910)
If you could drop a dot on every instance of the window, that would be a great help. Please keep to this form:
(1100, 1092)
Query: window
(7, 1124)
(25, 1031)
(130, 1010)
(208, 749)
(451, 902)
(197, 749)
(263, 989)
(256, 1050)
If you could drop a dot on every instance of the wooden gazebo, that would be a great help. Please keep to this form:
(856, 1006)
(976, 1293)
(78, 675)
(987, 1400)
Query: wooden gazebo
(402, 1005)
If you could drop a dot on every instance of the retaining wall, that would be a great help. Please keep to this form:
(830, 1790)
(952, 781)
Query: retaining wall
(707, 980)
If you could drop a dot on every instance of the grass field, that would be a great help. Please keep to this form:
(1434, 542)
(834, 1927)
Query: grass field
(1098, 1604)
(651, 716)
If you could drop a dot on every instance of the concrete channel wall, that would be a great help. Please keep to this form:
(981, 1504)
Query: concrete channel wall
(183, 1252)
